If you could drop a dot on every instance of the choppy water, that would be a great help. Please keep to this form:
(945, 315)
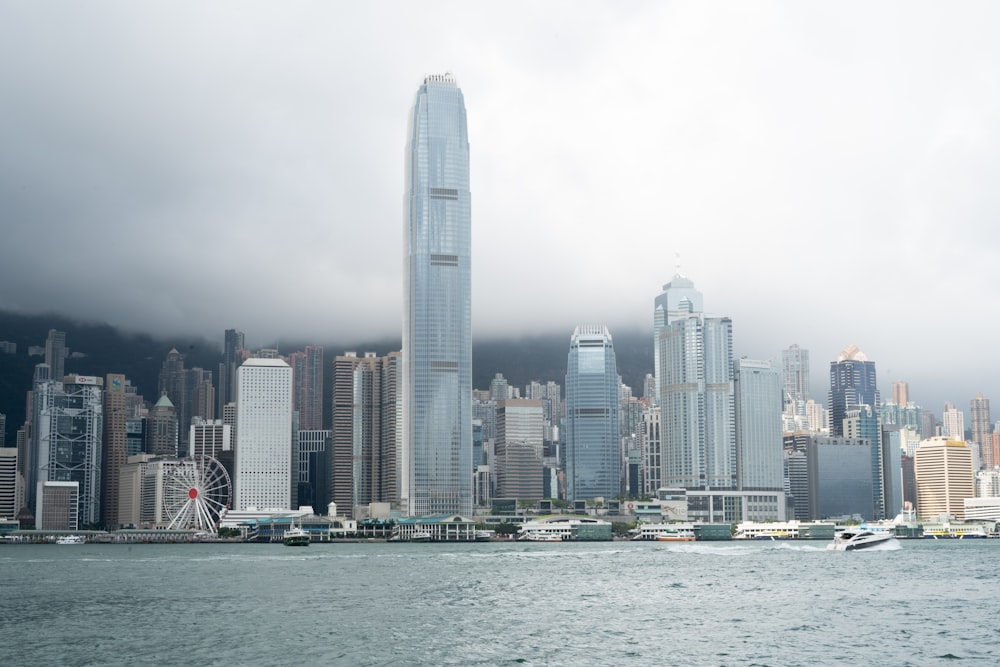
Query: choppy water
(776, 603)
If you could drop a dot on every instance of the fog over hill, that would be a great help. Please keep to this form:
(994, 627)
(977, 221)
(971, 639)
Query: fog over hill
(98, 349)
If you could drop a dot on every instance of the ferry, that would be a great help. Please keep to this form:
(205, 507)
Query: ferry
(663, 532)
(949, 531)
(565, 528)
(675, 535)
(421, 536)
(296, 537)
(71, 539)
(543, 537)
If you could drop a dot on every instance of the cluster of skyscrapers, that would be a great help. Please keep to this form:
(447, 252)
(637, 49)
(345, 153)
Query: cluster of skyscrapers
(407, 433)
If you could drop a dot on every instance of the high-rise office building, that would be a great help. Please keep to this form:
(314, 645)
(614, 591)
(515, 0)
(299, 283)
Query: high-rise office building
(232, 357)
(697, 401)
(945, 478)
(365, 436)
(982, 428)
(795, 365)
(862, 423)
(679, 297)
(11, 495)
(173, 382)
(437, 317)
(952, 422)
(200, 394)
(900, 392)
(593, 456)
(67, 431)
(758, 425)
(520, 430)
(264, 435)
(307, 372)
(852, 383)
(115, 452)
(55, 354)
(162, 429)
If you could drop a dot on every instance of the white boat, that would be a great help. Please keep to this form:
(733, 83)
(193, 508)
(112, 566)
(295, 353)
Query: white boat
(421, 536)
(71, 539)
(296, 536)
(675, 535)
(564, 528)
(861, 538)
(542, 537)
(484, 535)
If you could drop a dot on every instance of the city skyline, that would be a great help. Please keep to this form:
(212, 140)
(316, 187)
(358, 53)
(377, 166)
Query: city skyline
(755, 142)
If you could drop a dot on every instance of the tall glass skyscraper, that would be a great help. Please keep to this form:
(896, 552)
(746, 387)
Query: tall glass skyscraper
(697, 399)
(679, 298)
(593, 452)
(852, 383)
(437, 316)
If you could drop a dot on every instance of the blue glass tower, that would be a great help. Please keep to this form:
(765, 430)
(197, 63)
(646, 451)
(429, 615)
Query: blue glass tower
(437, 317)
(593, 453)
(852, 383)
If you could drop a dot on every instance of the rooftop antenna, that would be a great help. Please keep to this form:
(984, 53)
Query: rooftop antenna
(677, 257)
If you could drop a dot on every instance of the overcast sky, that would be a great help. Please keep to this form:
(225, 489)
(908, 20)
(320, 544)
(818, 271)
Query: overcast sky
(827, 173)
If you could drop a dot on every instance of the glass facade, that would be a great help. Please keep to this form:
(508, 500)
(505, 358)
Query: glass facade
(593, 452)
(697, 403)
(437, 320)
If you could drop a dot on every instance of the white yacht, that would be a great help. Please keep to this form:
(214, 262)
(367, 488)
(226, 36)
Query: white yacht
(71, 539)
(861, 538)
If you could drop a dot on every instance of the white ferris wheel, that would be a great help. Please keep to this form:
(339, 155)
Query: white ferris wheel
(196, 493)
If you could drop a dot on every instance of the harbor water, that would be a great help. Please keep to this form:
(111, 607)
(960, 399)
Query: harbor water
(609, 603)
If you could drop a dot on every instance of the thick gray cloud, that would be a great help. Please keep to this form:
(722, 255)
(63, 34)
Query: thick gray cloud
(825, 172)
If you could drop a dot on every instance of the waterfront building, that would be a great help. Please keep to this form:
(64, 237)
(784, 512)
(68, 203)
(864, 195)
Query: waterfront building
(232, 357)
(697, 399)
(652, 450)
(264, 435)
(115, 446)
(593, 459)
(11, 489)
(162, 438)
(130, 490)
(58, 506)
(796, 472)
(678, 299)
(67, 432)
(630, 411)
(795, 367)
(852, 383)
(893, 443)
(312, 477)
(518, 449)
(862, 422)
(840, 478)
(437, 318)
(944, 476)
(307, 372)
(758, 425)
(366, 437)
(982, 430)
